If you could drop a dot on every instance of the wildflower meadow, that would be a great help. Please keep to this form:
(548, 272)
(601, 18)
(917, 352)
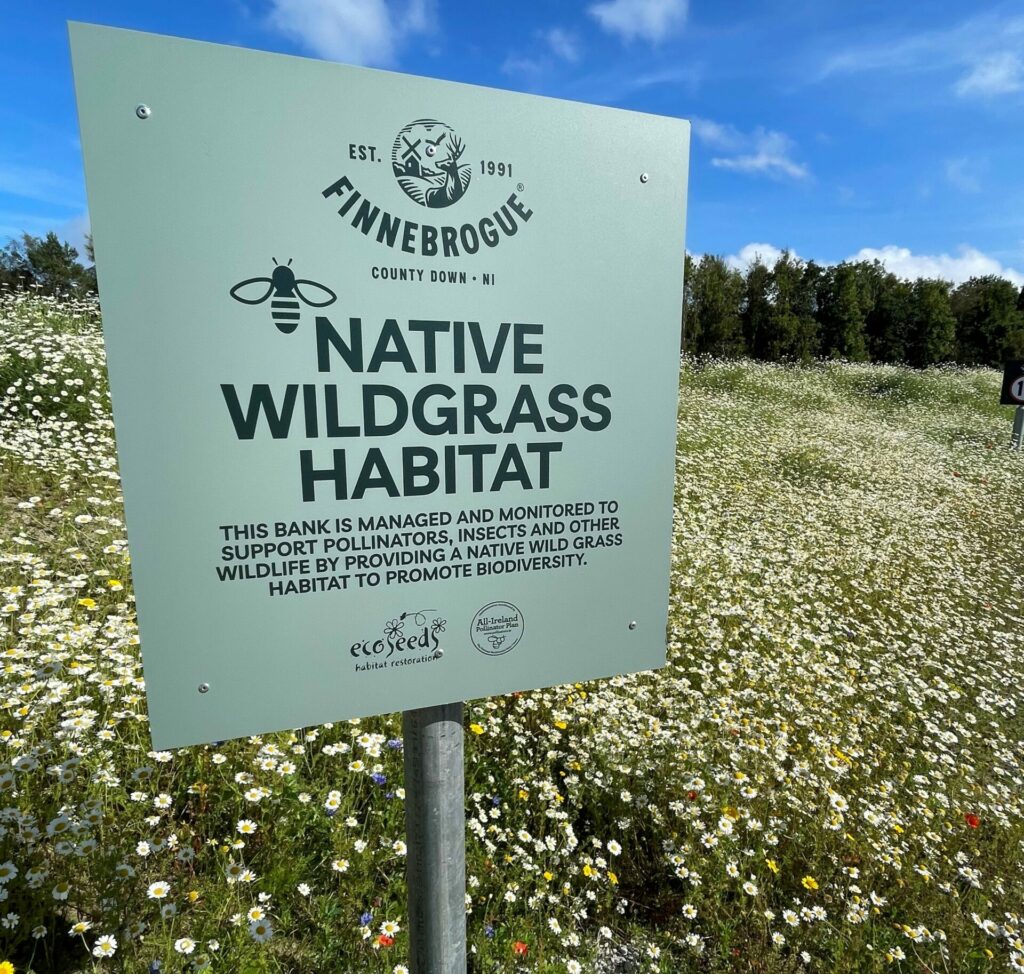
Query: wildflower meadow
(827, 775)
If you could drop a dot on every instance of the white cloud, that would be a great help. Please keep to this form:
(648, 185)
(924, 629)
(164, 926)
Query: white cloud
(562, 44)
(762, 151)
(959, 174)
(968, 262)
(514, 64)
(1000, 74)
(985, 49)
(651, 20)
(753, 253)
(354, 31)
(717, 135)
(35, 183)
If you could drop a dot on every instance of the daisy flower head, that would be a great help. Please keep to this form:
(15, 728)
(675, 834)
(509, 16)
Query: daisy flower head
(105, 946)
(261, 931)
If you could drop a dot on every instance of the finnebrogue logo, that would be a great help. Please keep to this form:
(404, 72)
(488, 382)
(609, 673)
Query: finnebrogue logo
(428, 164)
(497, 628)
(425, 160)
(412, 637)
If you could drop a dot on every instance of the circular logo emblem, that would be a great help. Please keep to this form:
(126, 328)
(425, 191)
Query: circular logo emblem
(425, 160)
(497, 628)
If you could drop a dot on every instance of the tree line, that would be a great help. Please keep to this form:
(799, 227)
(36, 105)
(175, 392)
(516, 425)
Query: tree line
(46, 264)
(798, 310)
(794, 310)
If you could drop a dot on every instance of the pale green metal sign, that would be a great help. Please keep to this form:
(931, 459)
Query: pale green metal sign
(394, 366)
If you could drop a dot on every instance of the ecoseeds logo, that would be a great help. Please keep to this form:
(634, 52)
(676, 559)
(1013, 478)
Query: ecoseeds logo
(428, 164)
(412, 637)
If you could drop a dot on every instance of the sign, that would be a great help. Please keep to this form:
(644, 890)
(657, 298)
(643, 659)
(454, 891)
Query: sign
(1012, 393)
(394, 367)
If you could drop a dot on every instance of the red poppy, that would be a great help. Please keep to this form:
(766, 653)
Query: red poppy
(520, 949)
(386, 941)
(972, 820)
(692, 795)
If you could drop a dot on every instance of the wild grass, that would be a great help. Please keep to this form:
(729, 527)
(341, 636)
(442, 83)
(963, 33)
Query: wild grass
(826, 777)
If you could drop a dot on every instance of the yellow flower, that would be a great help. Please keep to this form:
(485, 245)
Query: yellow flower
(89, 604)
(587, 871)
(612, 878)
(523, 794)
(193, 896)
(561, 724)
(730, 812)
(476, 728)
(6, 967)
(809, 882)
(549, 876)
(773, 866)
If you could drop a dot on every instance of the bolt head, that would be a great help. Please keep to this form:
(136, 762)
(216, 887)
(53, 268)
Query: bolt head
(644, 177)
(632, 626)
(143, 111)
(204, 688)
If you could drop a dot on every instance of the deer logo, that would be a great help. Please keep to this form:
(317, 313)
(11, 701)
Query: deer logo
(425, 161)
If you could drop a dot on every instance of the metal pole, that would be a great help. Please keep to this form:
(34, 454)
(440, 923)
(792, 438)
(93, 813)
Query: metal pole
(1017, 438)
(435, 823)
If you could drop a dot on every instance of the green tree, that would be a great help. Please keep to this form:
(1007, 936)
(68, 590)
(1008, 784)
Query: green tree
(15, 269)
(716, 327)
(756, 312)
(687, 324)
(889, 322)
(932, 324)
(46, 263)
(794, 330)
(988, 321)
(54, 264)
(841, 313)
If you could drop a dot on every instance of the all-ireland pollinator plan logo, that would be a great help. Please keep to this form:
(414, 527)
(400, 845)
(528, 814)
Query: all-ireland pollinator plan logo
(428, 162)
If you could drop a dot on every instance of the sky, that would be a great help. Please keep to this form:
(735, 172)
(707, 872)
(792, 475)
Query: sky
(829, 128)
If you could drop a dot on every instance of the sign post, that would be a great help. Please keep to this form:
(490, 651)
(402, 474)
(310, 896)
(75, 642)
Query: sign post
(435, 821)
(394, 370)
(1012, 394)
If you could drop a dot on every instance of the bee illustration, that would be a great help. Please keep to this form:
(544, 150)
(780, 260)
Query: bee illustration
(283, 288)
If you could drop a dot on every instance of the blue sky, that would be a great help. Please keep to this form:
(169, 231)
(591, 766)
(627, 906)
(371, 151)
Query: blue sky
(829, 127)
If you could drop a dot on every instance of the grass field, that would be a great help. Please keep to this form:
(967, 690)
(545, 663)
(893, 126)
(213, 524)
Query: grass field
(827, 776)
